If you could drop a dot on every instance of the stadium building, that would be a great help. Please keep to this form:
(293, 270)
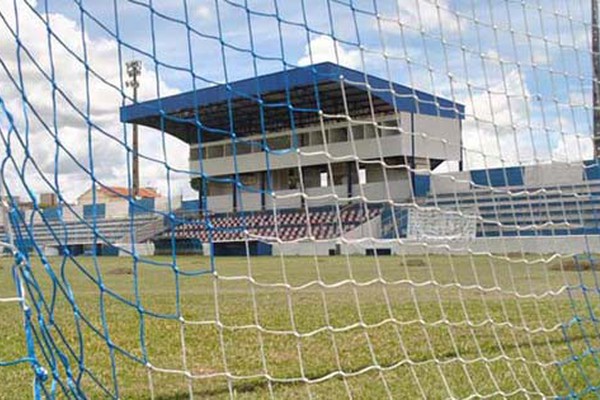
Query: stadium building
(346, 168)
(309, 153)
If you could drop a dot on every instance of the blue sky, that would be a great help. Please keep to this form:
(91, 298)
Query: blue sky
(523, 69)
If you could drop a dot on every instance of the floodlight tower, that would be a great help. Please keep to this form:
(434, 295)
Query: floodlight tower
(134, 69)
(596, 77)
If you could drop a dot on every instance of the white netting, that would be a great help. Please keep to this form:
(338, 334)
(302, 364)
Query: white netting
(439, 224)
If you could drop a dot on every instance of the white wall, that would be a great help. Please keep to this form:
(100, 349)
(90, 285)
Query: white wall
(220, 203)
(441, 140)
(534, 176)
(565, 245)
(283, 199)
(455, 182)
(162, 203)
(441, 137)
(250, 201)
(378, 191)
(554, 174)
(118, 209)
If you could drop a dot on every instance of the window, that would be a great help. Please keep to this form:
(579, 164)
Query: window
(337, 135)
(279, 142)
(362, 176)
(195, 153)
(292, 179)
(324, 180)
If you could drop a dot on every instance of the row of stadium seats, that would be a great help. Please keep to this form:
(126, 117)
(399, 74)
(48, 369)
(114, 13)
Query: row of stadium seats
(523, 211)
(285, 225)
(81, 233)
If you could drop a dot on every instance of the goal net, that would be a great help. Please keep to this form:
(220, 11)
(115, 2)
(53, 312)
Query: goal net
(437, 224)
(299, 199)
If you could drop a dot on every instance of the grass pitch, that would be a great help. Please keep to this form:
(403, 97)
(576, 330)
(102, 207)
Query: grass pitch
(332, 327)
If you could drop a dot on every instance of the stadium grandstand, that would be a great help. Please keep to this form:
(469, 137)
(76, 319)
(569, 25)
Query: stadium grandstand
(276, 173)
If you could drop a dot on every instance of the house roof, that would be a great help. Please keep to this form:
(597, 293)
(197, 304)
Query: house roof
(123, 192)
(283, 100)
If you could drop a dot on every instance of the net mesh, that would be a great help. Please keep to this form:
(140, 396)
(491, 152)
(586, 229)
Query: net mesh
(298, 199)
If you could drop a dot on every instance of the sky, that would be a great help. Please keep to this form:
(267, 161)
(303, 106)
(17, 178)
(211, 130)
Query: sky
(522, 69)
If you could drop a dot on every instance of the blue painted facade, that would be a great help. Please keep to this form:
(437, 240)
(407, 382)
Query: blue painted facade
(141, 206)
(94, 210)
(591, 170)
(190, 205)
(421, 185)
(498, 177)
(52, 213)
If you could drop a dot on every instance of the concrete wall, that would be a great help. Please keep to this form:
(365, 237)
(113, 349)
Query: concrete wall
(377, 191)
(303, 249)
(118, 209)
(450, 183)
(554, 174)
(564, 245)
(220, 203)
(284, 199)
(534, 176)
(250, 201)
(312, 155)
(162, 203)
(142, 249)
(436, 137)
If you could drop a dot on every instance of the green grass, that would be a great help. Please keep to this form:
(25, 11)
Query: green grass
(447, 360)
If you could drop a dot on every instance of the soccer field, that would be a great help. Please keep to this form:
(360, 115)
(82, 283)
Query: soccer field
(318, 327)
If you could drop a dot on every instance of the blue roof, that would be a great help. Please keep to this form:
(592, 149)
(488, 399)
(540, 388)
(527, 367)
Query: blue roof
(282, 100)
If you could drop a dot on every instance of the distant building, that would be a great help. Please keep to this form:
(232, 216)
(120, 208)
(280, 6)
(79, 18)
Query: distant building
(48, 200)
(246, 137)
(114, 193)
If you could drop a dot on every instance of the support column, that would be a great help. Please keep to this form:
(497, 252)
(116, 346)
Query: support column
(263, 189)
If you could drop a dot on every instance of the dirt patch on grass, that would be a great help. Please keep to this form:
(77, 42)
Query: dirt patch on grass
(120, 271)
(575, 264)
(416, 262)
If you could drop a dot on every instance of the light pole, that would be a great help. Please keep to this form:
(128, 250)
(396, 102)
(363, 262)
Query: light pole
(596, 78)
(134, 69)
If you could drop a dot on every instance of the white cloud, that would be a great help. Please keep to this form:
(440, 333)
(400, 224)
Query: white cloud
(203, 11)
(109, 156)
(428, 15)
(324, 48)
(573, 148)
(580, 98)
(497, 118)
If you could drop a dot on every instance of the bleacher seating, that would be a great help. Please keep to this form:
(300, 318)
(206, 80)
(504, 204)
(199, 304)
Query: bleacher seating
(528, 211)
(54, 232)
(286, 225)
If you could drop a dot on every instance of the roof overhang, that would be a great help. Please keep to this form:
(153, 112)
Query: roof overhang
(282, 101)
